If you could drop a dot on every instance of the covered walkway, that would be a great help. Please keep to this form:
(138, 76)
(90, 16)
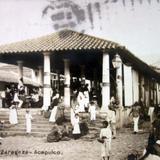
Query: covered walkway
(75, 54)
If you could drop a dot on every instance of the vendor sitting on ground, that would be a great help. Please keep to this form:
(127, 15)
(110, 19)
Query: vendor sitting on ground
(84, 127)
(54, 136)
(60, 117)
(59, 134)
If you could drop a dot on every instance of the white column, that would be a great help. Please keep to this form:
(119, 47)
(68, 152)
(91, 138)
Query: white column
(120, 92)
(47, 82)
(128, 86)
(67, 83)
(135, 86)
(105, 82)
(40, 75)
(20, 69)
(119, 85)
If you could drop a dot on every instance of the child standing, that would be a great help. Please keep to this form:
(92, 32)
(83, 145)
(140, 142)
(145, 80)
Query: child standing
(28, 121)
(105, 136)
(76, 128)
(74, 107)
(13, 114)
(92, 110)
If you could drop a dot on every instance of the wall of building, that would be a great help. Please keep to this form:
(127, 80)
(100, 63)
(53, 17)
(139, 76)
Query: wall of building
(128, 92)
(138, 86)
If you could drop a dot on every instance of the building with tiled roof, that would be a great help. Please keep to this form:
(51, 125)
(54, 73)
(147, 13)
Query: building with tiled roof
(74, 54)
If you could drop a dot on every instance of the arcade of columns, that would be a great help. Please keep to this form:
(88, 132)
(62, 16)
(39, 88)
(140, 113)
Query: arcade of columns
(45, 81)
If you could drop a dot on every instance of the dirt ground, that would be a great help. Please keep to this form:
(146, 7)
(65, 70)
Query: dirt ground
(32, 148)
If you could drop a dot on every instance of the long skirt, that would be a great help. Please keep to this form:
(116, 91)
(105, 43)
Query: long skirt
(13, 116)
(53, 114)
(135, 121)
(76, 129)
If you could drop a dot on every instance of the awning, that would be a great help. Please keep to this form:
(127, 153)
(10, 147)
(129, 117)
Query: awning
(11, 77)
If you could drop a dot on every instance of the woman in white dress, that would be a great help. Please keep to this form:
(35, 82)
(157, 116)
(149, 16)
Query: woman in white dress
(28, 121)
(76, 128)
(81, 101)
(86, 97)
(55, 106)
(13, 114)
(74, 108)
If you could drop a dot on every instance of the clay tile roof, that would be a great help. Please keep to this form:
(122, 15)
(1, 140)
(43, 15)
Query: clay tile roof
(63, 40)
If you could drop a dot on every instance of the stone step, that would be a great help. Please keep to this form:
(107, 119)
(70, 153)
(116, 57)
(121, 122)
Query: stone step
(23, 117)
(41, 120)
(19, 115)
(21, 111)
(42, 130)
(20, 121)
(41, 126)
(38, 125)
(5, 115)
(34, 126)
(41, 133)
(44, 127)
(46, 124)
(19, 133)
(24, 129)
(87, 117)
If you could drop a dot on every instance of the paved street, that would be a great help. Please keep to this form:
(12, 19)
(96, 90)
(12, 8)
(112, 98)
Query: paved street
(32, 148)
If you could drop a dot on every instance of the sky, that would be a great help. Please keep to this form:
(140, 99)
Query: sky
(132, 23)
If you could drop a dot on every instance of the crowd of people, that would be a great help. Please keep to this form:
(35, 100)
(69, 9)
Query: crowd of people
(16, 97)
(83, 100)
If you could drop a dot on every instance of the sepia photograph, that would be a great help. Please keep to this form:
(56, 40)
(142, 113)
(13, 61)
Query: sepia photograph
(79, 80)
